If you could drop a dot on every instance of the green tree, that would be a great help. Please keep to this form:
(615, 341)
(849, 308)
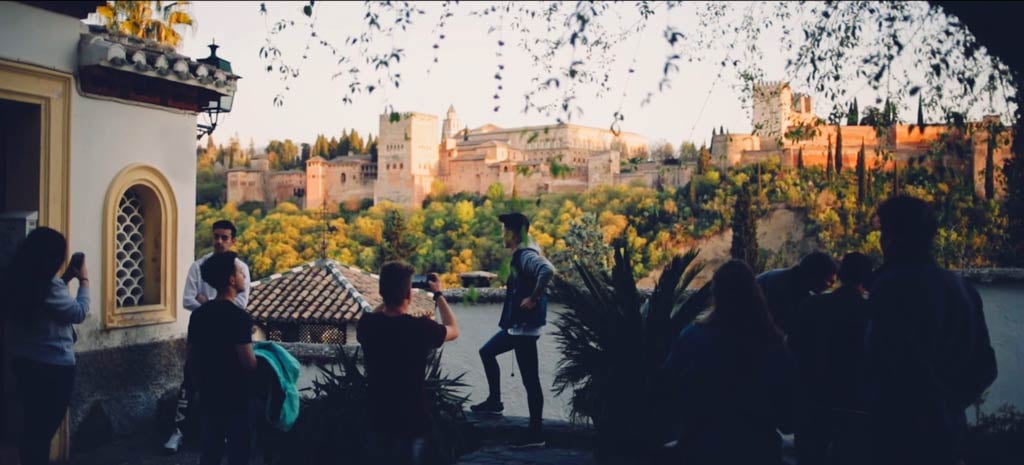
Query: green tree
(704, 162)
(839, 151)
(828, 160)
(688, 151)
(800, 159)
(920, 114)
(744, 230)
(1013, 173)
(356, 143)
(396, 244)
(334, 148)
(344, 144)
(853, 116)
(320, 147)
(862, 185)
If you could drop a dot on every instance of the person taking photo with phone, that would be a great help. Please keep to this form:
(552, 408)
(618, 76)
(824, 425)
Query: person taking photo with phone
(42, 313)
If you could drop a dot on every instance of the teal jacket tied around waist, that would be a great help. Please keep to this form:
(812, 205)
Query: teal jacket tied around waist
(286, 368)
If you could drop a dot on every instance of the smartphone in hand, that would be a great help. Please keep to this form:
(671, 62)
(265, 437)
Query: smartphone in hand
(77, 259)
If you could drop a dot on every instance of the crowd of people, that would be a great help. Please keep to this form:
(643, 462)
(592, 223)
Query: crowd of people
(879, 370)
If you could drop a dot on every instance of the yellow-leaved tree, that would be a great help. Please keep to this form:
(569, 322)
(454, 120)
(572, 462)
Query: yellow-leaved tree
(148, 20)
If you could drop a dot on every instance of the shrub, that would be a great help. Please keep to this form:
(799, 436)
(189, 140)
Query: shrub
(333, 421)
(613, 344)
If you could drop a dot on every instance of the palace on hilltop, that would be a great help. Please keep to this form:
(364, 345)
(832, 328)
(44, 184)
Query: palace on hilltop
(418, 154)
(786, 129)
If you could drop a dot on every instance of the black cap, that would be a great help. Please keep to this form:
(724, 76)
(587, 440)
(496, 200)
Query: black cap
(515, 221)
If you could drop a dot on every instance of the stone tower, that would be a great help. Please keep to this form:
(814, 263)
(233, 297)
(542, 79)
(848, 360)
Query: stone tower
(773, 105)
(407, 158)
(451, 124)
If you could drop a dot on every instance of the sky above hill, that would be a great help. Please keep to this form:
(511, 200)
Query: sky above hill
(701, 97)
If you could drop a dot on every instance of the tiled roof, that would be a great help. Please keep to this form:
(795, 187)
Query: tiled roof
(146, 58)
(322, 292)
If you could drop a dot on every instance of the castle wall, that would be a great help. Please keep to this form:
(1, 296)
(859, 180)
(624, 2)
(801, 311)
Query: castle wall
(282, 185)
(245, 186)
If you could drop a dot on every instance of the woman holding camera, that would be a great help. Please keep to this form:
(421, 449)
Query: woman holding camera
(41, 312)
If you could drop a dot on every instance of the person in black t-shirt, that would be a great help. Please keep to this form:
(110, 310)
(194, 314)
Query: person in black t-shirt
(397, 345)
(220, 353)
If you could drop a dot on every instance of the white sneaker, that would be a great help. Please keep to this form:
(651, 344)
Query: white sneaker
(174, 442)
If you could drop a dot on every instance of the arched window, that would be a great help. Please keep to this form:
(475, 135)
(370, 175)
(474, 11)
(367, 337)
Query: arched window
(140, 249)
(343, 178)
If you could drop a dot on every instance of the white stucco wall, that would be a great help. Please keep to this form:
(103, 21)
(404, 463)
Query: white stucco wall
(106, 136)
(1004, 315)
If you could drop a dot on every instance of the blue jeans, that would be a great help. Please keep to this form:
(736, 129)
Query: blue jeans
(387, 449)
(232, 425)
(45, 392)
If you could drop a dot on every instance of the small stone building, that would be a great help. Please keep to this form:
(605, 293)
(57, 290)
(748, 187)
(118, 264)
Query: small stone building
(320, 302)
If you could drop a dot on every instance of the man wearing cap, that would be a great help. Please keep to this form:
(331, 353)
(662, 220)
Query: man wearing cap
(522, 318)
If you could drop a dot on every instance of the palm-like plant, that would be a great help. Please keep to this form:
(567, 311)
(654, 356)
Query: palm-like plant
(614, 341)
(137, 18)
(333, 420)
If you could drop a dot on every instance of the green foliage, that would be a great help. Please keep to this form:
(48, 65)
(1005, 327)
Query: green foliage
(613, 342)
(396, 245)
(744, 231)
(1013, 175)
(333, 420)
(210, 187)
(996, 438)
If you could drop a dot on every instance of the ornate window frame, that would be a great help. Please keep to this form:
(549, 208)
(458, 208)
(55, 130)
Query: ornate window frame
(165, 310)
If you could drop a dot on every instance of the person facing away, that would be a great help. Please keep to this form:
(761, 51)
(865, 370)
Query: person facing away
(928, 350)
(41, 314)
(397, 347)
(827, 341)
(731, 377)
(523, 317)
(221, 358)
(785, 288)
(198, 292)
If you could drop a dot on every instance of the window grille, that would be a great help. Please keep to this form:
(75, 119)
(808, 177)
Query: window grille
(130, 260)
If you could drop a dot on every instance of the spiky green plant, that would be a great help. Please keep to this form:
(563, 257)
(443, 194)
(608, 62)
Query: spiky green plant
(332, 422)
(613, 342)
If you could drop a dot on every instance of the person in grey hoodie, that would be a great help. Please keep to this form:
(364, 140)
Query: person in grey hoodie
(523, 316)
(41, 314)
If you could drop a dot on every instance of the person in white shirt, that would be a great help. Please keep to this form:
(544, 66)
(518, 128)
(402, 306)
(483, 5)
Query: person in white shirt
(198, 292)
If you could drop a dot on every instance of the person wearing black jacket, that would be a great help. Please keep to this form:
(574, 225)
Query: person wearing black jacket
(827, 340)
(928, 350)
(523, 317)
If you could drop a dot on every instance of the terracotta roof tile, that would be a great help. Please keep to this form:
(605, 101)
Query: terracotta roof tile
(322, 292)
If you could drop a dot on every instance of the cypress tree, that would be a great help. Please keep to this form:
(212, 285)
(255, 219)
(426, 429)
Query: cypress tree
(920, 115)
(704, 163)
(828, 160)
(861, 172)
(839, 151)
(990, 168)
(800, 159)
(853, 117)
(744, 231)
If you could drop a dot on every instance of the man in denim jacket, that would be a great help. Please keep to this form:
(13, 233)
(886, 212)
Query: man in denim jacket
(523, 316)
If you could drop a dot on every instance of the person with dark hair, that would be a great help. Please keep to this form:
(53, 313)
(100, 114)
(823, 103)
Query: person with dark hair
(197, 293)
(827, 340)
(221, 356)
(523, 317)
(731, 378)
(41, 314)
(397, 346)
(928, 350)
(786, 288)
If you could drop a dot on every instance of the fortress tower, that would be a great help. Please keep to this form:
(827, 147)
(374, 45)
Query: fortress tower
(407, 157)
(773, 103)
